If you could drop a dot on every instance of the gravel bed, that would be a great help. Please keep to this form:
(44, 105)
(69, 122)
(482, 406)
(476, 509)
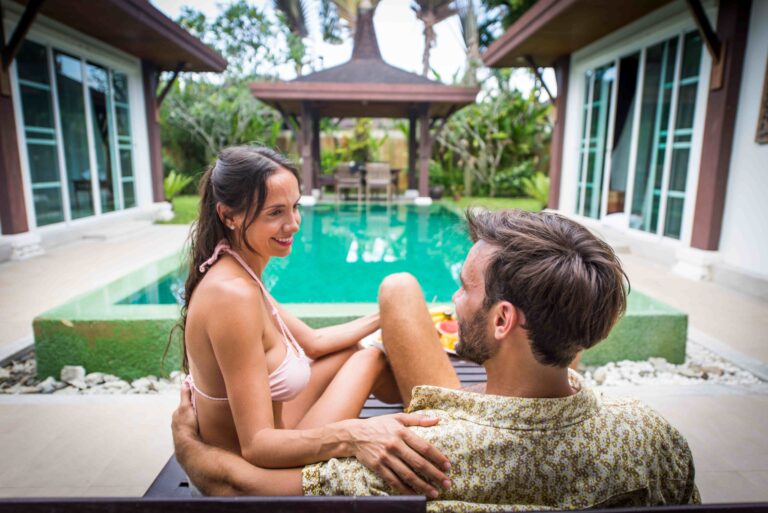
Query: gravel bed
(701, 367)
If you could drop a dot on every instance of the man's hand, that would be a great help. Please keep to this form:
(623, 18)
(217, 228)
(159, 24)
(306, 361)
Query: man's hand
(406, 462)
(184, 424)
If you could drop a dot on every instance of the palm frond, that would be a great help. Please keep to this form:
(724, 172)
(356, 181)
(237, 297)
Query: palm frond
(295, 12)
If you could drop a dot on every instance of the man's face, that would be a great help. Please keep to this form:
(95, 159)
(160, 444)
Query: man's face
(475, 342)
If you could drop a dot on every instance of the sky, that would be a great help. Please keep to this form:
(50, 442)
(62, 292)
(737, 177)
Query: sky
(400, 35)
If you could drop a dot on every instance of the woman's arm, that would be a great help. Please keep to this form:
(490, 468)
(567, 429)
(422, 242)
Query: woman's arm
(384, 444)
(218, 472)
(322, 341)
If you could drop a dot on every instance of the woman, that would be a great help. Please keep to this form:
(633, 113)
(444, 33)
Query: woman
(264, 384)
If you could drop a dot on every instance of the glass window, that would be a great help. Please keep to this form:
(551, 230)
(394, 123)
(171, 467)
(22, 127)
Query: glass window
(40, 132)
(686, 106)
(597, 109)
(103, 135)
(69, 85)
(124, 140)
(626, 98)
(651, 144)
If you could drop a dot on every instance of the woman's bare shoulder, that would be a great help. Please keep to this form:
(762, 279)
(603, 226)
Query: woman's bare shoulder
(226, 288)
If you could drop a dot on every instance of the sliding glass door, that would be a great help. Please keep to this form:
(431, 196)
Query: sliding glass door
(636, 136)
(77, 128)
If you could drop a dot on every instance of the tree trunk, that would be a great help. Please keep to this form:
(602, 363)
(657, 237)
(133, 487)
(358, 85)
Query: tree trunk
(429, 37)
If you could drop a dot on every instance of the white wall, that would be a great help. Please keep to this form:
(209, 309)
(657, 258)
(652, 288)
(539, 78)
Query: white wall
(744, 238)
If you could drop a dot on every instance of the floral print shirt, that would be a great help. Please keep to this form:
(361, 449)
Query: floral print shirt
(512, 453)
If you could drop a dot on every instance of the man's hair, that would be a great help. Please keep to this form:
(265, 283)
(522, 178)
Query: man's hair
(568, 283)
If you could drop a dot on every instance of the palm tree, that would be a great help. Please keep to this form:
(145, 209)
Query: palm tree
(431, 12)
(471, 35)
(338, 15)
(293, 14)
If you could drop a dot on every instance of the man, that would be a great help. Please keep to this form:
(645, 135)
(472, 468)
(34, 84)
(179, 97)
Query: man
(535, 290)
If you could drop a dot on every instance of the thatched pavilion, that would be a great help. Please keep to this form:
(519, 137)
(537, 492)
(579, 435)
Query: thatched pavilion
(365, 86)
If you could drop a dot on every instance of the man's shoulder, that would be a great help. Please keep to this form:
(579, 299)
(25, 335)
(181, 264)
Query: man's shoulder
(635, 420)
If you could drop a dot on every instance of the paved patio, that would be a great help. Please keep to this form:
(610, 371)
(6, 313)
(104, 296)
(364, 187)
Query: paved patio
(115, 445)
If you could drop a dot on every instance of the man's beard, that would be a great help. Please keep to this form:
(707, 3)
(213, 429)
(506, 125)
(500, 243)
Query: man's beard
(474, 344)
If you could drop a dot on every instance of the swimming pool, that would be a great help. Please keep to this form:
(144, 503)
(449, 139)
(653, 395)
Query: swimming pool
(343, 252)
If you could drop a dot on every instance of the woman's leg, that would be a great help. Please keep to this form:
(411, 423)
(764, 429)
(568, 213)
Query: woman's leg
(346, 394)
(323, 371)
(413, 348)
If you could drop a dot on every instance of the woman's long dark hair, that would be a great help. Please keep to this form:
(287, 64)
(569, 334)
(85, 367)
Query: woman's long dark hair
(238, 180)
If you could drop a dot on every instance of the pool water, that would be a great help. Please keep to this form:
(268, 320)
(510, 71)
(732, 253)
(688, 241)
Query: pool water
(342, 253)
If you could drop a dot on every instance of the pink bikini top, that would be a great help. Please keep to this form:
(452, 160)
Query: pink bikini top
(292, 375)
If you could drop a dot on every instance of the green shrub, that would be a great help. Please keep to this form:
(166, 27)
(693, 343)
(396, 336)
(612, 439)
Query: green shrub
(174, 183)
(537, 187)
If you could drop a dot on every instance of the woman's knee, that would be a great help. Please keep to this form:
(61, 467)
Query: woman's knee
(398, 286)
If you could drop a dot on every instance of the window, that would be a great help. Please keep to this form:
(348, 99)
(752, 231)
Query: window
(663, 78)
(76, 117)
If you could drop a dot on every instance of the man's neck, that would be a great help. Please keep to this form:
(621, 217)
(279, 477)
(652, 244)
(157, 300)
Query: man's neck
(522, 376)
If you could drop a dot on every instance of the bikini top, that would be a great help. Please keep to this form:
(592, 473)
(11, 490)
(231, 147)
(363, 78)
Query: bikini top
(292, 375)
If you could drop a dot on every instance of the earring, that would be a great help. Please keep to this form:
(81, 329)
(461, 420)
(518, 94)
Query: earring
(231, 227)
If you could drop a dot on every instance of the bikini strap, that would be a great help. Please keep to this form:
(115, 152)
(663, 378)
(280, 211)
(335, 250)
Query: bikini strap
(224, 247)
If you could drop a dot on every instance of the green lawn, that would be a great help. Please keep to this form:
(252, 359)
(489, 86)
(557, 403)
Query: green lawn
(185, 208)
(494, 203)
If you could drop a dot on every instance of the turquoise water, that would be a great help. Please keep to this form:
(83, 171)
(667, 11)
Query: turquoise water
(342, 253)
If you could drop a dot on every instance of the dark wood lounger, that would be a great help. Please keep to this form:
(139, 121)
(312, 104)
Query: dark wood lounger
(169, 493)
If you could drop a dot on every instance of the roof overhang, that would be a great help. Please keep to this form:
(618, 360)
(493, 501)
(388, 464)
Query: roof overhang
(553, 28)
(137, 28)
(332, 99)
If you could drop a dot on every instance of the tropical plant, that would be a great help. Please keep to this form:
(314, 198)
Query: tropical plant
(431, 12)
(220, 115)
(499, 16)
(497, 142)
(203, 113)
(537, 187)
(174, 183)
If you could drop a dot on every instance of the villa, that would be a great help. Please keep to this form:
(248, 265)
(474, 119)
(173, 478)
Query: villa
(661, 126)
(79, 101)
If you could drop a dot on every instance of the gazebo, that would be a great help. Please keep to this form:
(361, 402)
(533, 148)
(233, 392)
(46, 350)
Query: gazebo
(365, 86)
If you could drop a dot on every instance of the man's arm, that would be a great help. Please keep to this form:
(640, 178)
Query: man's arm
(218, 472)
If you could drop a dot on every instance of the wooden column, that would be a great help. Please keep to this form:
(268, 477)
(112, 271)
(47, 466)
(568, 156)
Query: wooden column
(150, 75)
(562, 68)
(305, 149)
(13, 210)
(316, 149)
(722, 104)
(412, 150)
(425, 152)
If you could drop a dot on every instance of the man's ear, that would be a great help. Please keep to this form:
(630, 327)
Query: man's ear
(505, 320)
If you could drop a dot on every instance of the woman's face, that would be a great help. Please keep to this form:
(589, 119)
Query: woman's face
(271, 233)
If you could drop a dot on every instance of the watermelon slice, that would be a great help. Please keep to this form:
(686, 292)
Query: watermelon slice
(448, 327)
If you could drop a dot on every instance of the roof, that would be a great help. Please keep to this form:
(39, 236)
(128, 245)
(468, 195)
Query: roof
(137, 28)
(364, 86)
(554, 28)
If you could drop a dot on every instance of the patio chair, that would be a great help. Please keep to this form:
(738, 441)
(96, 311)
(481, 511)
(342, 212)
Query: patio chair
(378, 176)
(344, 179)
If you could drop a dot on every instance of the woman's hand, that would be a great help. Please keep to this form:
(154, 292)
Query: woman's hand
(406, 462)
